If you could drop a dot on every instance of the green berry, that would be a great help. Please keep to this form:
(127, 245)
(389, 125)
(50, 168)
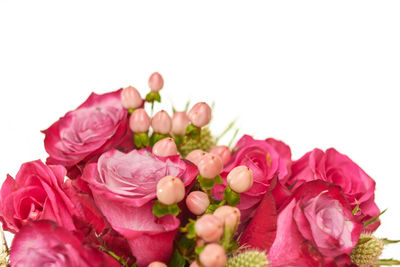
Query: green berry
(250, 258)
(367, 251)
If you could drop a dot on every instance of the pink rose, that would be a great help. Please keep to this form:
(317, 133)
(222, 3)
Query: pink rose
(336, 168)
(43, 243)
(99, 124)
(315, 228)
(123, 187)
(35, 194)
(267, 159)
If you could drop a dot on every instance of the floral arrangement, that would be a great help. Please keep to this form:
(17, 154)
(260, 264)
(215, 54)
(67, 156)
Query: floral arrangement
(121, 188)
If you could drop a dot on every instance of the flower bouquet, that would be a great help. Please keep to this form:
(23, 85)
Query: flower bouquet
(122, 188)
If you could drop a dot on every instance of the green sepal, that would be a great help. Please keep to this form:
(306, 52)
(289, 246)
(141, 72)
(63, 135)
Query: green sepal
(218, 180)
(205, 183)
(177, 260)
(387, 262)
(141, 140)
(153, 96)
(193, 131)
(212, 208)
(191, 231)
(375, 219)
(199, 249)
(131, 110)
(178, 139)
(160, 210)
(231, 197)
(155, 137)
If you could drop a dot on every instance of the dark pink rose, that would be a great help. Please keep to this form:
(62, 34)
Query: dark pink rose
(336, 168)
(267, 159)
(99, 124)
(123, 187)
(43, 243)
(36, 193)
(315, 228)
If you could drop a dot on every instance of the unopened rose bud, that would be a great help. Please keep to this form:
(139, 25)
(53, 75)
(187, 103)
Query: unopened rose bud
(210, 166)
(180, 122)
(165, 147)
(156, 82)
(200, 114)
(130, 98)
(195, 156)
(223, 152)
(230, 216)
(197, 202)
(139, 122)
(157, 264)
(213, 255)
(170, 190)
(240, 179)
(161, 122)
(209, 228)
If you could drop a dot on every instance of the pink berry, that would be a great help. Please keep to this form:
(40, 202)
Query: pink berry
(139, 122)
(165, 147)
(130, 98)
(229, 215)
(156, 82)
(194, 264)
(195, 156)
(197, 202)
(180, 122)
(161, 122)
(210, 166)
(170, 190)
(157, 264)
(223, 152)
(213, 255)
(209, 228)
(200, 114)
(240, 179)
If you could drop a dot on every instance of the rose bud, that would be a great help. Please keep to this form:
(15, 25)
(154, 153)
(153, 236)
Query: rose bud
(180, 122)
(195, 156)
(139, 122)
(229, 215)
(130, 98)
(170, 190)
(156, 82)
(200, 114)
(161, 122)
(157, 264)
(165, 147)
(209, 228)
(210, 166)
(240, 179)
(197, 202)
(213, 255)
(223, 152)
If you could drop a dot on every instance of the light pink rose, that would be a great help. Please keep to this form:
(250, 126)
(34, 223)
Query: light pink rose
(336, 168)
(267, 159)
(36, 193)
(123, 187)
(99, 124)
(43, 243)
(315, 228)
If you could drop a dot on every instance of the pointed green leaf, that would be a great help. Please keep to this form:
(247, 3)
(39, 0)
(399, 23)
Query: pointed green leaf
(177, 260)
(387, 262)
(388, 241)
(375, 219)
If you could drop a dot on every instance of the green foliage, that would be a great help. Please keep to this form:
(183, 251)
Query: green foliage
(160, 209)
(231, 197)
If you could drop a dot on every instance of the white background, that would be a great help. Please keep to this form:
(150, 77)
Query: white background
(311, 73)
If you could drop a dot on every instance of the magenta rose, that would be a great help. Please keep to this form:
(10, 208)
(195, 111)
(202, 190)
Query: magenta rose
(123, 187)
(267, 159)
(315, 228)
(99, 124)
(43, 243)
(336, 168)
(36, 193)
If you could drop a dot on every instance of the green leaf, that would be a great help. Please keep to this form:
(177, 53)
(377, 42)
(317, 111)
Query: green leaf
(387, 262)
(198, 250)
(231, 197)
(375, 219)
(205, 183)
(388, 241)
(186, 243)
(218, 180)
(191, 231)
(160, 210)
(356, 208)
(177, 260)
